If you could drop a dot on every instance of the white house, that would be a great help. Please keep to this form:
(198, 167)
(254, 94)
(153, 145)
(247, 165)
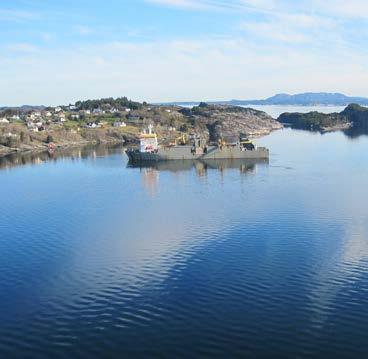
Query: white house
(91, 125)
(62, 117)
(15, 117)
(127, 110)
(58, 109)
(32, 126)
(48, 114)
(4, 120)
(119, 124)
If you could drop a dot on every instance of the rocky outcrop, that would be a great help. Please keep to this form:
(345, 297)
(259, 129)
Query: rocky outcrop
(220, 121)
(315, 121)
(353, 119)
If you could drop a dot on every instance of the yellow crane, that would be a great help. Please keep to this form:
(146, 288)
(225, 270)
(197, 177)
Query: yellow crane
(182, 139)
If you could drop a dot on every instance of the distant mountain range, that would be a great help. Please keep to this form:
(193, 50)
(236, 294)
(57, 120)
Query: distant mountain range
(306, 99)
(302, 99)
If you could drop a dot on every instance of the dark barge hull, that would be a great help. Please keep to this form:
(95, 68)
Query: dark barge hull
(186, 153)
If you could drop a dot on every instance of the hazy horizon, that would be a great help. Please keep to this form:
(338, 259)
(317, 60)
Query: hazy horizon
(181, 102)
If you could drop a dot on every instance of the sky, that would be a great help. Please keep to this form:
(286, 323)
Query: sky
(58, 52)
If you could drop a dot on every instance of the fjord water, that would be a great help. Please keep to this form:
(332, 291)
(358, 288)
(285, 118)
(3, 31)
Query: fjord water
(205, 260)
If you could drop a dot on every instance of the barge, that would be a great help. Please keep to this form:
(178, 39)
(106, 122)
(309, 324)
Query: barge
(197, 149)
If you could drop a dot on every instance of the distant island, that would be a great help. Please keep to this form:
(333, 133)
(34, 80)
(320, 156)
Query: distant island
(302, 99)
(353, 120)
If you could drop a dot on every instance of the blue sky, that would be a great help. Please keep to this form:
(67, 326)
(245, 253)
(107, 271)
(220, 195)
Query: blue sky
(56, 52)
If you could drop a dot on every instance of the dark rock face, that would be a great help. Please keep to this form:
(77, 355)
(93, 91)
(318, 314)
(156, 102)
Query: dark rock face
(221, 121)
(358, 115)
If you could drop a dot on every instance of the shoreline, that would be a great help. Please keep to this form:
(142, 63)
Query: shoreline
(61, 146)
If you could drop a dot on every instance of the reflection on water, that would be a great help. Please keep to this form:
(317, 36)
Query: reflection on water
(150, 171)
(202, 166)
(37, 158)
(357, 131)
(188, 259)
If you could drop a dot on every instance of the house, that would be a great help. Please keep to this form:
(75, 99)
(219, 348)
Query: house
(119, 124)
(32, 126)
(72, 108)
(34, 115)
(87, 112)
(62, 117)
(74, 116)
(97, 111)
(15, 117)
(127, 110)
(91, 125)
(48, 114)
(4, 120)
(58, 109)
(167, 110)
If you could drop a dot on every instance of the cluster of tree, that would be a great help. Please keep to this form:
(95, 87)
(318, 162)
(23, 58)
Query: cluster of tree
(108, 103)
(8, 112)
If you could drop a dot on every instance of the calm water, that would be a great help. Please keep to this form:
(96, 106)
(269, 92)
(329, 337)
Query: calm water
(206, 260)
(276, 110)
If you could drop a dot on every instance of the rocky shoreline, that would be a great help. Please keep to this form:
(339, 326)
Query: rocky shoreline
(39, 146)
(221, 121)
(6, 151)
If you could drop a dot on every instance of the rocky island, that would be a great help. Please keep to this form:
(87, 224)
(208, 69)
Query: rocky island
(120, 120)
(353, 119)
